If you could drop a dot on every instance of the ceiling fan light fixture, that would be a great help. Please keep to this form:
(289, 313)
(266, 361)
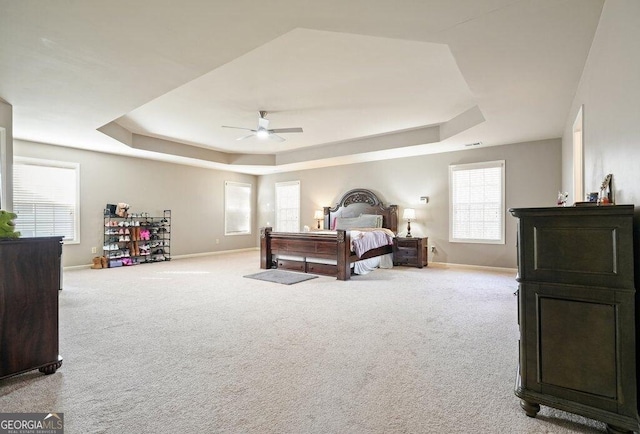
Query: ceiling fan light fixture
(263, 132)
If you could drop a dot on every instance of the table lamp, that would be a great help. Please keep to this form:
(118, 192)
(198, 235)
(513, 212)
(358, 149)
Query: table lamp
(318, 215)
(409, 214)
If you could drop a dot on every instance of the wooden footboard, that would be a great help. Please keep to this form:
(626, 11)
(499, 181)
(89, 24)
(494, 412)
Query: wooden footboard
(309, 246)
(333, 247)
(266, 256)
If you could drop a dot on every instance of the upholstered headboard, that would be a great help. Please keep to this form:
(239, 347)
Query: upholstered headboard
(361, 201)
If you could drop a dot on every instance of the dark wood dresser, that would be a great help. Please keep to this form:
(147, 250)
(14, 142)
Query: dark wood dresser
(410, 251)
(577, 313)
(29, 286)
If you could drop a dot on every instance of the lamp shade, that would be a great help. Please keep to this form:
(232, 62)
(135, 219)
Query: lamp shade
(409, 214)
(318, 215)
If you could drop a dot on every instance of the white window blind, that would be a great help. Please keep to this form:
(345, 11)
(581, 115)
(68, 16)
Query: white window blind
(237, 208)
(477, 202)
(45, 198)
(288, 206)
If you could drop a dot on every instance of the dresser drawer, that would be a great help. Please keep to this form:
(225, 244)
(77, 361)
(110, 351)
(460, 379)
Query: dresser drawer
(284, 264)
(407, 244)
(404, 253)
(325, 269)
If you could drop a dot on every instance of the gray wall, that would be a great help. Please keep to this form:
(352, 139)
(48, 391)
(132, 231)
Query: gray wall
(610, 92)
(533, 178)
(195, 197)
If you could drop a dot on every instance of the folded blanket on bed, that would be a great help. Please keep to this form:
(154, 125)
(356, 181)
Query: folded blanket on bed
(366, 240)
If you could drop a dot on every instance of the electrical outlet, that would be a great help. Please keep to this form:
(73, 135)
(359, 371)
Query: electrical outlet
(94, 250)
(433, 249)
(217, 241)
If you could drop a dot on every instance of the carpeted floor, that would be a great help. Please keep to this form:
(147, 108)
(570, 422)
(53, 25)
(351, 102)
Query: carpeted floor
(192, 346)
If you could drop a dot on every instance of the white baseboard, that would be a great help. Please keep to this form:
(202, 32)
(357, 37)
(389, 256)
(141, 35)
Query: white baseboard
(473, 267)
(173, 257)
(221, 252)
(76, 267)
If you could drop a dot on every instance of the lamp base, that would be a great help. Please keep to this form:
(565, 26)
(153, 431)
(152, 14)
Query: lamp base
(408, 230)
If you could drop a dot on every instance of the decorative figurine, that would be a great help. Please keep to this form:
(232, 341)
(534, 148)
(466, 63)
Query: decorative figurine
(562, 198)
(606, 194)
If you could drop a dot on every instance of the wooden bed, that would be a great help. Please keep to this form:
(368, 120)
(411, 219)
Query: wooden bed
(312, 249)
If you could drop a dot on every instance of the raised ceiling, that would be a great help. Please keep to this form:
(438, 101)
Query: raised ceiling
(365, 79)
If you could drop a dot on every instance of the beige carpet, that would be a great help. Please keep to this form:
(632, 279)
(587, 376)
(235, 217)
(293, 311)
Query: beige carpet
(192, 346)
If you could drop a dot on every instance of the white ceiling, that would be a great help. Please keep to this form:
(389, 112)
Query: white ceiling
(365, 79)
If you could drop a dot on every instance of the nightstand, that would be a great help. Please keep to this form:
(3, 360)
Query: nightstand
(410, 251)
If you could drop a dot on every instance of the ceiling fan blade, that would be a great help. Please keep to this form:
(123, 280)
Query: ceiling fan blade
(276, 138)
(239, 128)
(246, 137)
(286, 130)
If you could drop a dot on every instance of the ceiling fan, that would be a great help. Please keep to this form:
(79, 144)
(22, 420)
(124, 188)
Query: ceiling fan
(263, 131)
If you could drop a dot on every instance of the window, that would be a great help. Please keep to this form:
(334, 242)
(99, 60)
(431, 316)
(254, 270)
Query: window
(476, 202)
(237, 208)
(288, 206)
(45, 198)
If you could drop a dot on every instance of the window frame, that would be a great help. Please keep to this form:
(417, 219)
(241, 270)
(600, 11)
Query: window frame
(474, 166)
(227, 202)
(18, 161)
(277, 207)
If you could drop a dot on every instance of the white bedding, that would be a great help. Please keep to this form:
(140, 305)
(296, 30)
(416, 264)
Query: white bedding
(363, 240)
(368, 265)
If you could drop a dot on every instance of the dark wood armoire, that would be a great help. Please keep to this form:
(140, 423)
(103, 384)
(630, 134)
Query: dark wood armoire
(29, 287)
(577, 309)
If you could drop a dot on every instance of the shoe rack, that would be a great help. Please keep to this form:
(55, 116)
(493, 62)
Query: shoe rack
(136, 239)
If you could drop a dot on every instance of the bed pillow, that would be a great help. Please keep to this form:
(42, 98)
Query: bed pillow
(347, 223)
(378, 219)
(366, 221)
